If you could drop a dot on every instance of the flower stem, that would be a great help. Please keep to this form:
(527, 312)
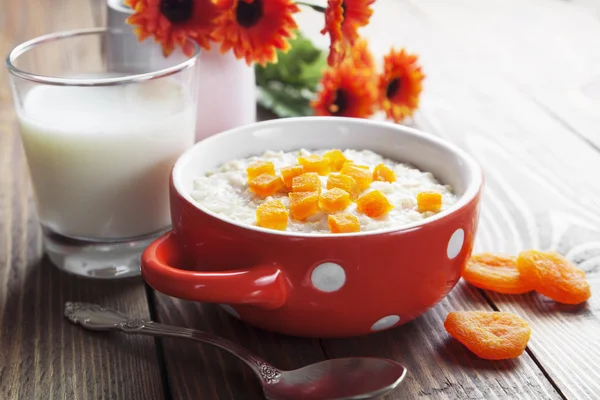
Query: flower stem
(313, 6)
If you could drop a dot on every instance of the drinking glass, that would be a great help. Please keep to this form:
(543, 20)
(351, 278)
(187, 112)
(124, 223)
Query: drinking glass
(101, 128)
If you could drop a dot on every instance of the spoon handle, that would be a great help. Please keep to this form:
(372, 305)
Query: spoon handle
(94, 317)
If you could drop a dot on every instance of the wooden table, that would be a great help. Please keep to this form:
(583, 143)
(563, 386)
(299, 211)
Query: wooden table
(503, 83)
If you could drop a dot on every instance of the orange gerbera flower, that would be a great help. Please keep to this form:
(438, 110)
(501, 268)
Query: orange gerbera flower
(361, 55)
(172, 22)
(342, 20)
(346, 91)
(400, 85)
(255, 29)
(334, 15)
(356, 15)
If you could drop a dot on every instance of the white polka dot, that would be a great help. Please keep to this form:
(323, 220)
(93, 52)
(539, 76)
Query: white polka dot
(328, 277)
(385, 322)
(456, 243)
(230, 310)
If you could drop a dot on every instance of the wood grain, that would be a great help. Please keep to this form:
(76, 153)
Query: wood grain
(203, 372)
(43, 356)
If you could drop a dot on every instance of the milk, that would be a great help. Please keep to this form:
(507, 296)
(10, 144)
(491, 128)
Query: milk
(100, 157)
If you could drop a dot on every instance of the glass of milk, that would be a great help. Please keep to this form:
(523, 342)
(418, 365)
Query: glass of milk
(101, 128)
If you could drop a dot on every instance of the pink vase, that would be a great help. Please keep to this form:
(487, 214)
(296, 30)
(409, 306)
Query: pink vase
(226, 87)
(226, 93)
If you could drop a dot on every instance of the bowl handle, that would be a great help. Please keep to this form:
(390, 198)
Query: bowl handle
(263, 286)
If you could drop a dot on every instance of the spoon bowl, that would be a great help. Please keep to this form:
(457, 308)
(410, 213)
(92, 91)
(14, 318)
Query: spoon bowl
(340, 378)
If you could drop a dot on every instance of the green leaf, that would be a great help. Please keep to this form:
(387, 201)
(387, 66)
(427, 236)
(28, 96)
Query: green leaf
(287, 86)
(300, 67)
(285, 101)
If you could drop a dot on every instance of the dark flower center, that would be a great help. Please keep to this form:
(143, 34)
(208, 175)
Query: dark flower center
(339, 103)
(248, 14)
(177, 10)
(393, 87)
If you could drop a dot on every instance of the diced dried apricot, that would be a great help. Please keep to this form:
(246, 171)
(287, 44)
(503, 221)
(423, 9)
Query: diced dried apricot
(350, 162)
(316, 164)
(490, 335)
(344, 182)
(307, 182)
(554, 276)
(429, 201)
(374, 204)
(265, 185)
(272, 214)
(361, 175)
(336, 159)
(343, 223)
(289, 173)
(334, 200)
(495, 272)
(259, 168)
(303, 204)
(383, 173)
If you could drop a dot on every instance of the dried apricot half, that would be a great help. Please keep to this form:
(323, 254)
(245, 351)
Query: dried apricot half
(259, 168)
(374, 204)
(495, 272)
(265, 185)
(336, 159)
(554, 276)
(272, 214)
(343, 223)
(489, 334)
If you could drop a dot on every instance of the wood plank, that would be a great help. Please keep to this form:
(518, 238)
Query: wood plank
(203, 372)
(43, 355)
(483, 92)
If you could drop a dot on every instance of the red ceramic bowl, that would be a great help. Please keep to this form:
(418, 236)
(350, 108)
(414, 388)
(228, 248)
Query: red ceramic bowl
(317, 285)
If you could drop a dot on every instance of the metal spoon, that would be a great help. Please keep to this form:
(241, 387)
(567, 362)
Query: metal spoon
(342, 378)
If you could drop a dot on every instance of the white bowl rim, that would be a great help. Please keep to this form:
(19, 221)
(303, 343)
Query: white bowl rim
(469, 194)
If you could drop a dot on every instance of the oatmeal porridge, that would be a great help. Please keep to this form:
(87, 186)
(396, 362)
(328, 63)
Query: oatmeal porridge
(326, 191)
